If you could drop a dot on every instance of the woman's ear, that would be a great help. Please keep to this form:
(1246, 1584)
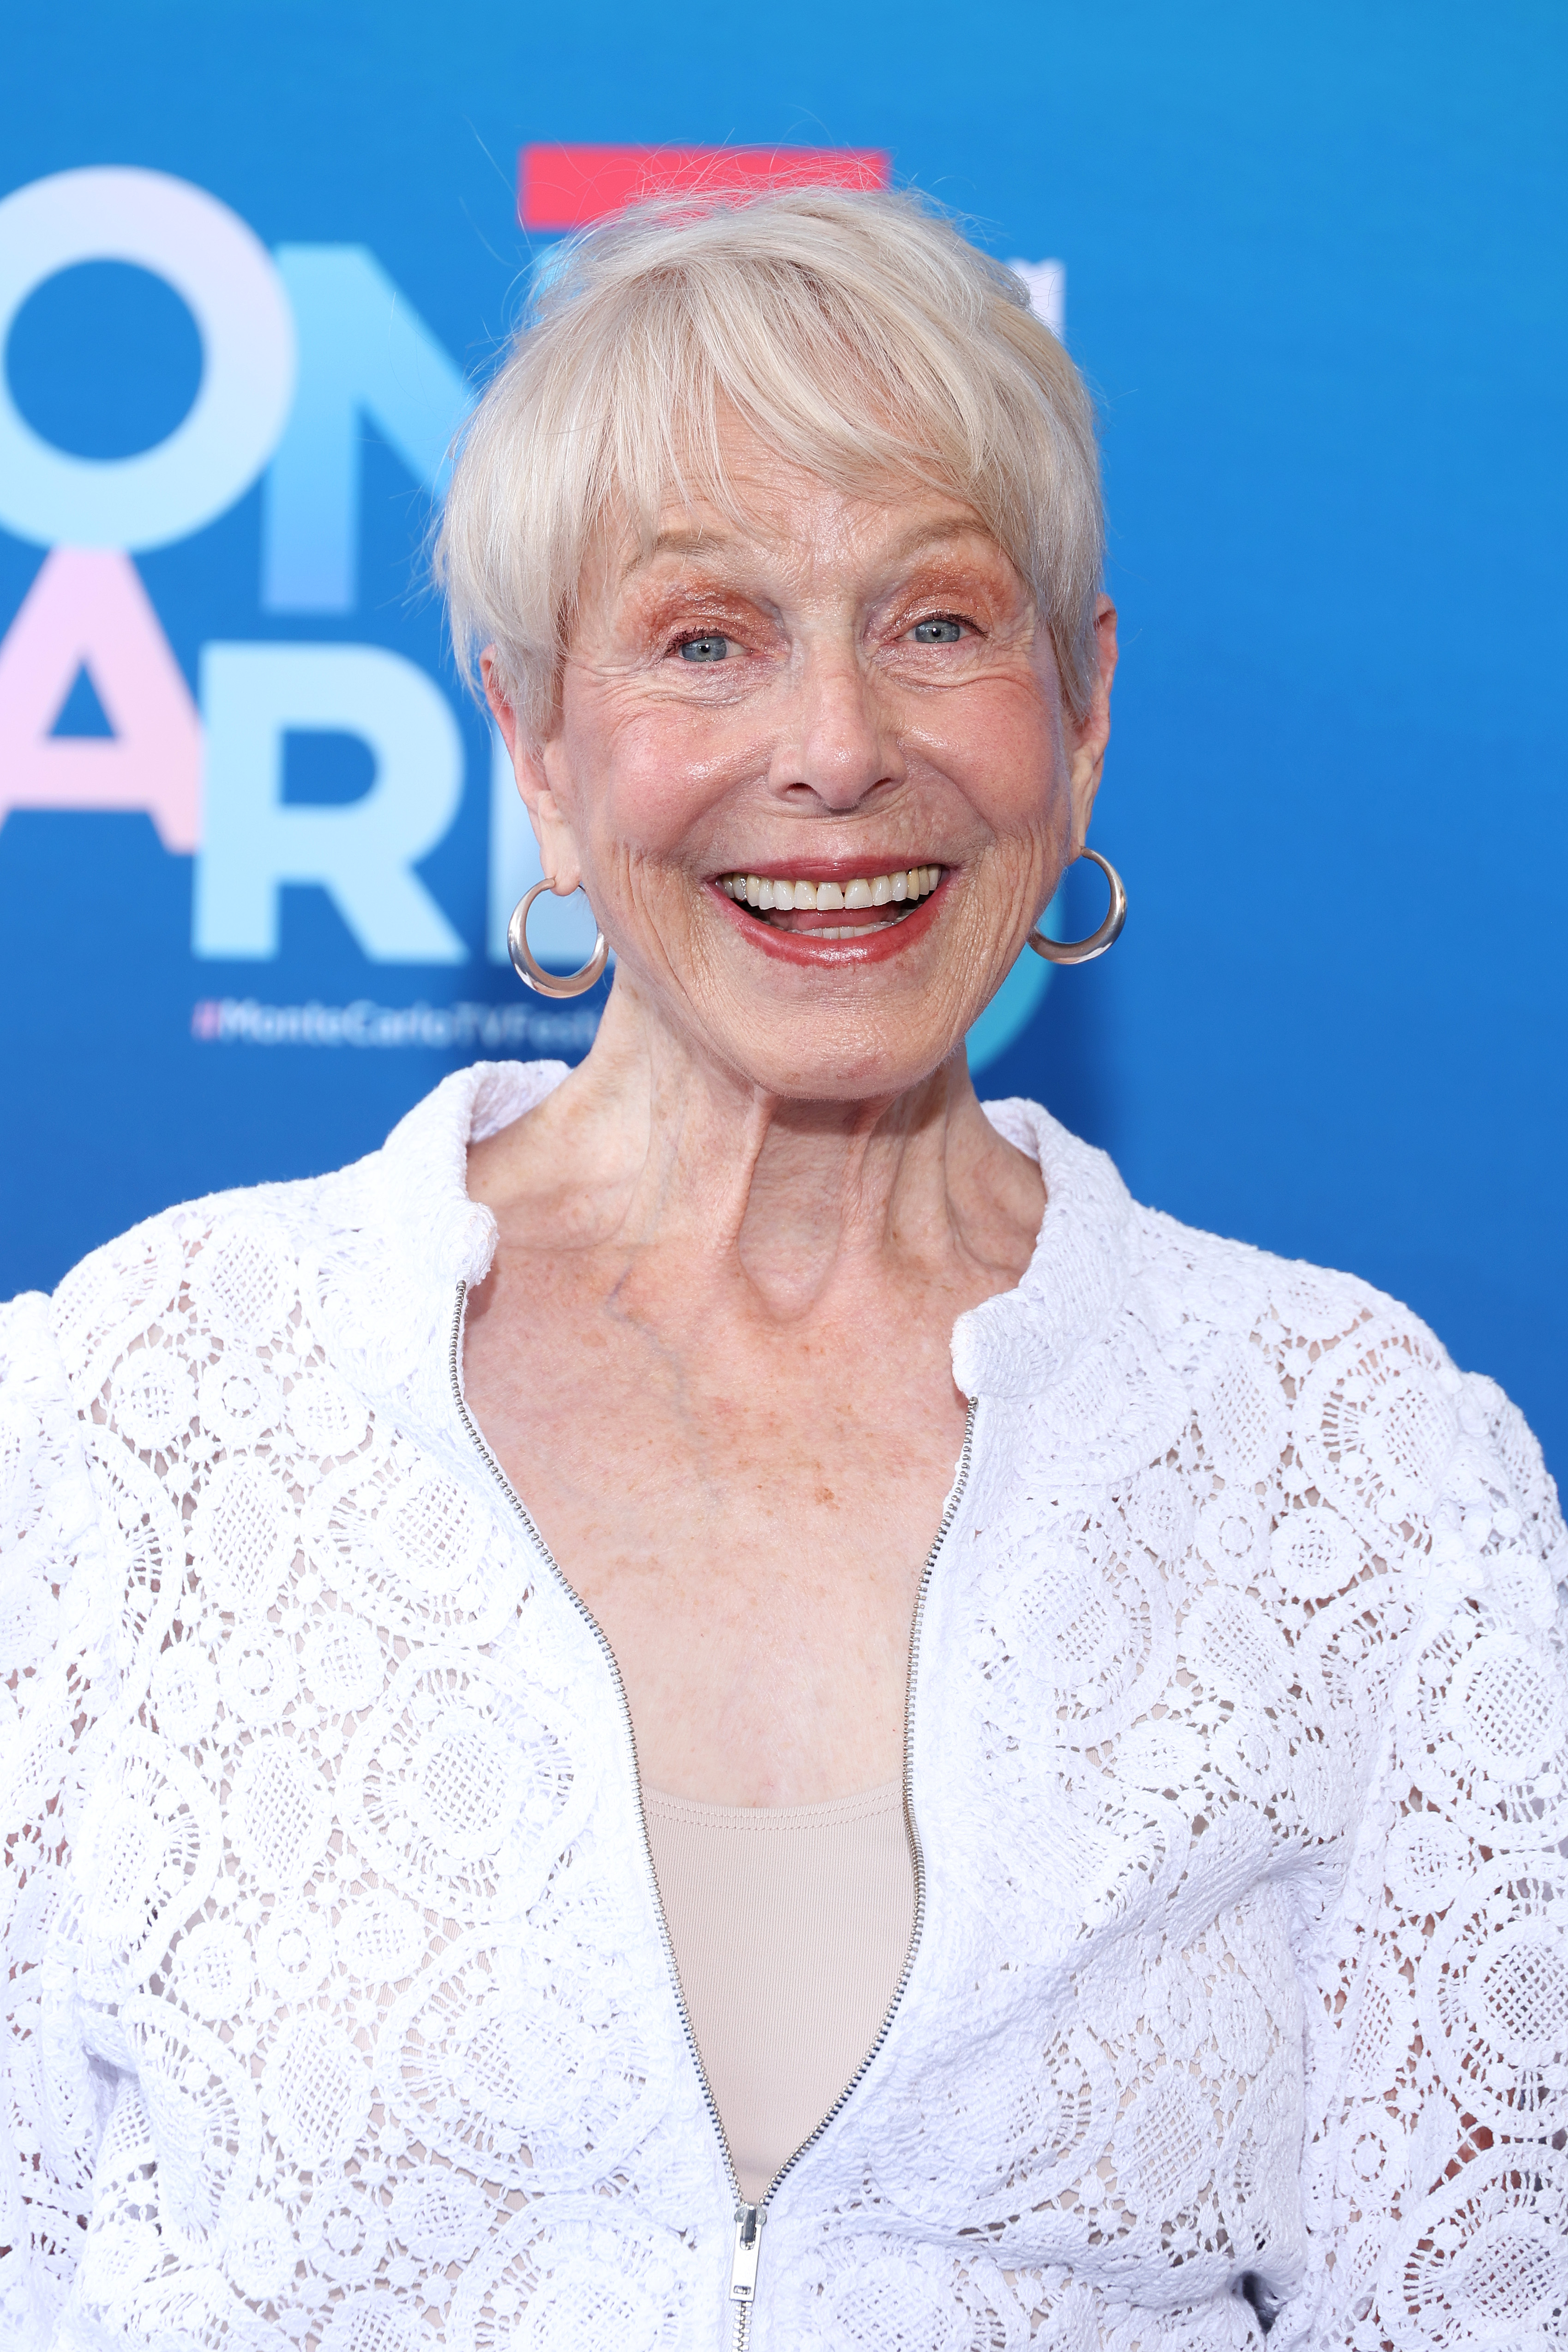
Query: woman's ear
(1087, 737)
(530, 765)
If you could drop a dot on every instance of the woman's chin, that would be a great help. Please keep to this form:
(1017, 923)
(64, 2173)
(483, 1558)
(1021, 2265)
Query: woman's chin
(865, 1013)
(832, 1053)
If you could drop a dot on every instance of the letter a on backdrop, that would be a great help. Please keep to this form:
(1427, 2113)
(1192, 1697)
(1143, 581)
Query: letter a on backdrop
(86, 609)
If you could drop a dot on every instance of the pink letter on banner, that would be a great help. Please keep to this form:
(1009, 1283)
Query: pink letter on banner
(560, 187)
(88, 610)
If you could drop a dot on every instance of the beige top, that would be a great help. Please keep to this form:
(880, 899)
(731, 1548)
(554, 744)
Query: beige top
(790, 1926)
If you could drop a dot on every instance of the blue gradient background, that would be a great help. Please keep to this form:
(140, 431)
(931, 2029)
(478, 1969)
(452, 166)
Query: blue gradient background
(1315, 274)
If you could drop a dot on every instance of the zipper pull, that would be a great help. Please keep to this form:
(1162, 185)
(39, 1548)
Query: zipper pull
(749, 2220)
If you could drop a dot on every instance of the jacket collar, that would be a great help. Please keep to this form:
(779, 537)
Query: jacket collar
(1023, 1339)
(1013, 1345)
(425, 1163)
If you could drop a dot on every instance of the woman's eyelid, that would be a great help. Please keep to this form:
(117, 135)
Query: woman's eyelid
(743, 628)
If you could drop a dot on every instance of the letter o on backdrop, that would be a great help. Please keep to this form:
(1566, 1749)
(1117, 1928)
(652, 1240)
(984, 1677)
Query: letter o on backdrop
(226, 276)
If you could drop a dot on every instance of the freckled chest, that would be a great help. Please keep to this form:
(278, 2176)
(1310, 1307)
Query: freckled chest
(746, 1511)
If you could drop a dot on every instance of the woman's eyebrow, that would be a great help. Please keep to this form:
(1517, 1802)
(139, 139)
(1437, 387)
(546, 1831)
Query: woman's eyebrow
(713, 542)
(678, 542)
(940, 534)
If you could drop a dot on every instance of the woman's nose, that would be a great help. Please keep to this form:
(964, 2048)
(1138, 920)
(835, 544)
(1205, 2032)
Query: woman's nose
(837, 742)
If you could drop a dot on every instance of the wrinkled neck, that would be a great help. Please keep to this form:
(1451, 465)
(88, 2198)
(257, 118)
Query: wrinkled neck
(822, 1186)
(674, 1151)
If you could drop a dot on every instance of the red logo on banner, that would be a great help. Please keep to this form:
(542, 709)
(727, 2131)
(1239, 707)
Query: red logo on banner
(567, 187)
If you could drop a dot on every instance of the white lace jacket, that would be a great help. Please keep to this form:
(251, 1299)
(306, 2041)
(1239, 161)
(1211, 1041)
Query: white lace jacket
(342, 2011)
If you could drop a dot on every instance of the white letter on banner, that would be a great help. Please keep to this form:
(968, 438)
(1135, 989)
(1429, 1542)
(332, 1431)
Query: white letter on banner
(1047, 285)
(561, 931)
(226, 277)
(364, 352)
(361, 854)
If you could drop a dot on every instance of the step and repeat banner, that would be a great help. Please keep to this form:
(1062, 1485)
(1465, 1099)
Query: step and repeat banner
(257, 848)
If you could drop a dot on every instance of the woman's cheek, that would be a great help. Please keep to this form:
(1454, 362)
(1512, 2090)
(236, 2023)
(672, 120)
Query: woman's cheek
(652, 798)
(668, 779)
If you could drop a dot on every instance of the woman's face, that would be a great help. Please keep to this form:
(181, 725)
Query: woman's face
(831, 694)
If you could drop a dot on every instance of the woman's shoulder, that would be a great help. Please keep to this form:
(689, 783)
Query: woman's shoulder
(234, 1262)
(1304, 1387)
(1204, 1290)
(1103, 1256)
(1321, 1390)
(218, 1256)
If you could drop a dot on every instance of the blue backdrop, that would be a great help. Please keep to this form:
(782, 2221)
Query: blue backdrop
(1313, 265)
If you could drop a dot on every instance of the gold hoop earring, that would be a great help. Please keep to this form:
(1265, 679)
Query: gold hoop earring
(1110, 931)
(533, 975)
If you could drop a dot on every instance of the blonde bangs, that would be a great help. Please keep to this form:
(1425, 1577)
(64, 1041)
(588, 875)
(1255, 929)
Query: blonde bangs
(858, 336)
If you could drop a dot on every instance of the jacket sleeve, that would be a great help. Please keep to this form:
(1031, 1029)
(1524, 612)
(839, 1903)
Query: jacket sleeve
(56, 1662)
(1436, 2173)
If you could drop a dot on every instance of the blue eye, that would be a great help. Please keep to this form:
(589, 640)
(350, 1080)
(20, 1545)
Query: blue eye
(705, 649)
(937, 633)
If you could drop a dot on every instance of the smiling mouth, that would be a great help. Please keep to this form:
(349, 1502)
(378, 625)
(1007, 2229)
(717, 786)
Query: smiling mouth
(870, 903)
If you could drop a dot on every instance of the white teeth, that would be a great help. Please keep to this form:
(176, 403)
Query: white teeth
(769, 894)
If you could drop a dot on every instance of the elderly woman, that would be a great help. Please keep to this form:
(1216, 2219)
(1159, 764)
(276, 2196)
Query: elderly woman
(720, 1699)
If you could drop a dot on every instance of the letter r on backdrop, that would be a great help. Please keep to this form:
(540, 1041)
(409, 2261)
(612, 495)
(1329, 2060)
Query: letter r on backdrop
(362, 855)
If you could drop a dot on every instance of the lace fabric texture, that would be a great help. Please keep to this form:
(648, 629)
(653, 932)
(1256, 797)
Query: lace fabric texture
(339, 2011)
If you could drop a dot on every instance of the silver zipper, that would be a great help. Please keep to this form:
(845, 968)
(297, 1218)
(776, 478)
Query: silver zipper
(749, 2219)
(917, 1851)
(748, 2253)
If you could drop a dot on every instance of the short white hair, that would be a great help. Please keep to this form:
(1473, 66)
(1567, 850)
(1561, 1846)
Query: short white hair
(859, 335)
